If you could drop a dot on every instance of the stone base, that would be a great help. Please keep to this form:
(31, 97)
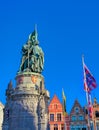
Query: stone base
(28, 103)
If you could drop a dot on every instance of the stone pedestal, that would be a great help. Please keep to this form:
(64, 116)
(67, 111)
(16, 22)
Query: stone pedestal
(28, 103)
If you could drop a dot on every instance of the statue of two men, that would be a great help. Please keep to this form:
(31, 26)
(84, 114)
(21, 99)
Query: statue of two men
(32, 55)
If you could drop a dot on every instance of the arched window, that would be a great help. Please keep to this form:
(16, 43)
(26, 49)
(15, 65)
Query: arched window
(76, 109)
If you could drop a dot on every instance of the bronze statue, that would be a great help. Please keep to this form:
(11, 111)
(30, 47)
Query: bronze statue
(32, 55)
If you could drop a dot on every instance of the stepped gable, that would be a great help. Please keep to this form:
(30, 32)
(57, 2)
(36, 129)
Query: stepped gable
(76, 104)
(77, 117)
(55, 100)
(55, 105)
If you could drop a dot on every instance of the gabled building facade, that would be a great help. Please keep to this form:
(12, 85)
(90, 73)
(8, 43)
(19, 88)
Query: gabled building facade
(77, 117)
(96, 114)
(94, 121)
(56, 117)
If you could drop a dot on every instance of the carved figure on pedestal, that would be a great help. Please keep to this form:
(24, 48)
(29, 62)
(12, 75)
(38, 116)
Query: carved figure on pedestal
(9, 90)
(41, 107)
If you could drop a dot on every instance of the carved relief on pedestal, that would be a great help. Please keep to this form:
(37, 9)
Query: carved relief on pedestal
(23, 105)
(29, 82)
(41, 108)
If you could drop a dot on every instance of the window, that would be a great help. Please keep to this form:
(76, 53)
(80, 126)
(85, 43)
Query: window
(77, 128)
(51, 117)
(97, 125)
(55, 127)
(73, 118)
(81, 118)
(97, 113)
(62, 127)
(72, 128)
(83, 128)
(76, 110)
(59, 117)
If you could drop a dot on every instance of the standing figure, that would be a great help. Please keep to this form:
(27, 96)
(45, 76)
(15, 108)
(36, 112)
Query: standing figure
(32, 55)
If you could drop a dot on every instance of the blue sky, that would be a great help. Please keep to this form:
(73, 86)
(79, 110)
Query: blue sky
(66, 29)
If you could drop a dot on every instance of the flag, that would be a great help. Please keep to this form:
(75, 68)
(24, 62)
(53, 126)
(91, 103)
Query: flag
(89, 80)
(64, 101)
(90, 107)
(89, 84)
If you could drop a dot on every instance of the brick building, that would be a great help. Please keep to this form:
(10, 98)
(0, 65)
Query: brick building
(56, 117)
(77, 117)
(96, 114)
(94, 121)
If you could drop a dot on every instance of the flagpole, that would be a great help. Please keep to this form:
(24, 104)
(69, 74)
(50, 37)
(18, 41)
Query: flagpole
(86, 92)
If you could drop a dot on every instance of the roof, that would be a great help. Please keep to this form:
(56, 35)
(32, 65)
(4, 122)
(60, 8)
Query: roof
(55, 100)
(76, 104)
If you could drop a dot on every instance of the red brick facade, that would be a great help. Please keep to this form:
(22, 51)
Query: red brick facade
(56, 117)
